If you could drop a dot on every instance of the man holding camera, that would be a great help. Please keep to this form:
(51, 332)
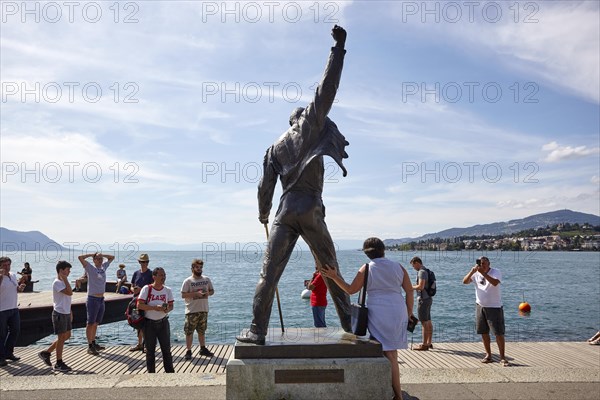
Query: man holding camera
(490, 313)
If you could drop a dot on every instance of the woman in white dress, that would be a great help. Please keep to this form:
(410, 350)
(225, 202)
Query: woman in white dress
(388, 311)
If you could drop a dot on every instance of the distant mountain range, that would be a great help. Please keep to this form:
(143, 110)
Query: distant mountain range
(13, 241)
(26, 241)
(512, 226)
(31, 241)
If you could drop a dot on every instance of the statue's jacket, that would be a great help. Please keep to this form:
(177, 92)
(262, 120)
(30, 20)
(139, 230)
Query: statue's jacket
(297, 156)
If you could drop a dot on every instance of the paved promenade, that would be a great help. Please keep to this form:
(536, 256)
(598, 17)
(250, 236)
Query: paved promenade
(558, 370)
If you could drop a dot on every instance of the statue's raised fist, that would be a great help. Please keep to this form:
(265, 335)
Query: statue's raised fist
(339, 34)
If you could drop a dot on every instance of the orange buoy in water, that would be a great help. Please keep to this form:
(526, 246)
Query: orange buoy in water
(525, 307)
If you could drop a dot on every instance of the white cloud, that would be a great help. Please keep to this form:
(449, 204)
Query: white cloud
(75, 157)
(562, 47)
(555, 42)
(558, 153)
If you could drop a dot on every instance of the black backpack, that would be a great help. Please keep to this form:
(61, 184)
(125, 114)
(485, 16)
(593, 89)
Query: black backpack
(136, 317)
(431, 287)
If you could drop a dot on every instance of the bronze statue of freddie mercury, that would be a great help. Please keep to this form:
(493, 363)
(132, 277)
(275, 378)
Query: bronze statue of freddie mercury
(297, 159)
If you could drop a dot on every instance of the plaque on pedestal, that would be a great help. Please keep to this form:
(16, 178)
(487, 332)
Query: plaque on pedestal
(308, 363)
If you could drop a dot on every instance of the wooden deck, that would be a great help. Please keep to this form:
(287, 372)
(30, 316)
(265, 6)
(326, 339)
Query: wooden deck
(520, 354)
(118, 360)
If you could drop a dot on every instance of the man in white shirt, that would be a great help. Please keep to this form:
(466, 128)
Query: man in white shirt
(61, 316)
(10, 322)
(490, 313)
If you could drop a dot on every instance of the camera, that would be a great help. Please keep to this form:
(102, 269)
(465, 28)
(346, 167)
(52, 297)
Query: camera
(478, 261)
(165, 306)
(412, 323)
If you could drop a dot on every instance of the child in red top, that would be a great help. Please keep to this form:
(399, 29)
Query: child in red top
(318, 299)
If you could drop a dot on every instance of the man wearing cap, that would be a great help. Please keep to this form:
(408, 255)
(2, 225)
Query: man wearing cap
(141, 278)
(95, 298)
(296, 159)
(195, 291)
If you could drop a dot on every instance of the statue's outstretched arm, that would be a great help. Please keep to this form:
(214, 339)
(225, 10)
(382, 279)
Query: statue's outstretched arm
(318, 109)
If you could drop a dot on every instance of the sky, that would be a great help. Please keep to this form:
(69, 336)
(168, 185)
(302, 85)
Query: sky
(147, 121)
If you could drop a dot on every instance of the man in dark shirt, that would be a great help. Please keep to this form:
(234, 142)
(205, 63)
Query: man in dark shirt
(297, 159)
(423, 304)
(141, 278)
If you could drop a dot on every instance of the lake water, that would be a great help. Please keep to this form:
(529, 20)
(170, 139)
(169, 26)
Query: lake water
(563, 289)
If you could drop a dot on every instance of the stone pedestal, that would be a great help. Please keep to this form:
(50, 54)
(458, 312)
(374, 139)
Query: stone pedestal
(309, 363)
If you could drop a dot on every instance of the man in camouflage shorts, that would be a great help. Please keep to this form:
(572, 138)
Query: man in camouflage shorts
(195, 291)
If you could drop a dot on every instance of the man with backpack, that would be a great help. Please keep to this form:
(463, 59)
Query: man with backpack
(141, 278)
(425, 288)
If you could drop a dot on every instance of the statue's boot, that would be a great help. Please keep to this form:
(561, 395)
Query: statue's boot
(252, 337)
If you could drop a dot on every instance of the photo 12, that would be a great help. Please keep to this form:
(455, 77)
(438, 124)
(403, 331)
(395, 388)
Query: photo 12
(389, 199)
